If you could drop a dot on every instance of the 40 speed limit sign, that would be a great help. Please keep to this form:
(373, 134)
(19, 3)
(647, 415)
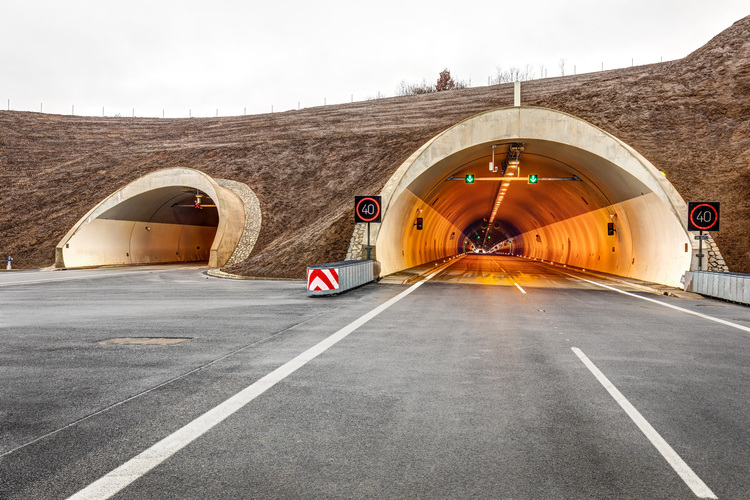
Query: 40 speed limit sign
(367, 209)
(703, 216)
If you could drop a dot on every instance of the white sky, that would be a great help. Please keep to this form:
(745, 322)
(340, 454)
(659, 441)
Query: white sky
(193, 56)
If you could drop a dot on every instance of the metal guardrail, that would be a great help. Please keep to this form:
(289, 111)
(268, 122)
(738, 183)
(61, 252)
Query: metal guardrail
(728, 286)
(338, 277)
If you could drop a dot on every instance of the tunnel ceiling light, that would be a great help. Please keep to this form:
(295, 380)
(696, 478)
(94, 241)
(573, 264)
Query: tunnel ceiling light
(511, 169)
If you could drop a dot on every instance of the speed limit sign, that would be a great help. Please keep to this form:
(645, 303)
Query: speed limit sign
(367, 209)
(703, 216)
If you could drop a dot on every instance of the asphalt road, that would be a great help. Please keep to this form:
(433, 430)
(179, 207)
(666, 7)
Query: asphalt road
(453, 390)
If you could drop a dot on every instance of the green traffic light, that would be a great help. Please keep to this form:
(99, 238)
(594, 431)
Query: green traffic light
(469, 178)
(533, 179)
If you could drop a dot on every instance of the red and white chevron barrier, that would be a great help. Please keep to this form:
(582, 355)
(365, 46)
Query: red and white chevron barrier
(338, 277)
(322, 279)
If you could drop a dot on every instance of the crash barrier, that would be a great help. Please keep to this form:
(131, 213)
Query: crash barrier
(338, 277)
(727, 286)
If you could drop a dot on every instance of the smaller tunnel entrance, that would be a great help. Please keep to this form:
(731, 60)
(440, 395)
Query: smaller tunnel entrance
(173, 215)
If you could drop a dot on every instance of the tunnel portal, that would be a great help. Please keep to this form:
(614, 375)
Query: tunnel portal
(597, 204)
(172, 215)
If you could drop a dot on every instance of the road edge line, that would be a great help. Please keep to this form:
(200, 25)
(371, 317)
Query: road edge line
(664, 304)
(691, 479)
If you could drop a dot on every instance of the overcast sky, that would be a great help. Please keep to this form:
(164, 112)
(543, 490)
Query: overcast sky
(189, 56)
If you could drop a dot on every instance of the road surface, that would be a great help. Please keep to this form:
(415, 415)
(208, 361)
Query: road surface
(167, 383)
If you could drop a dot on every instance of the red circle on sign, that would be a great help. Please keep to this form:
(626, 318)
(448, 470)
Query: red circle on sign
(704, 228)
(377, 213)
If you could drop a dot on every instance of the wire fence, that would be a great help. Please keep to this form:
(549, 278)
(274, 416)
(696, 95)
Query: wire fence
(501, 77)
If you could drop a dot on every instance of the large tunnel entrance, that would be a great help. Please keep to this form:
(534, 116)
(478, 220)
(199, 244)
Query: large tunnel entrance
(173, 215)
(590, 184)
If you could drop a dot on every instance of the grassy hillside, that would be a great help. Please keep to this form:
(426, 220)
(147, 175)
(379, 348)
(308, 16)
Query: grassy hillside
(689, 117)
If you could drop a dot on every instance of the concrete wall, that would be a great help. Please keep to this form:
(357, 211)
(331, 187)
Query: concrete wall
(115, 242)
(437, 240)
(648, 244)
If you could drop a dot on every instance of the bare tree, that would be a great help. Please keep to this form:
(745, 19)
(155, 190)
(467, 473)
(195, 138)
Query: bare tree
(445, 81)
(527, 74)
(463, 84)
(405, 88)
(512, 74)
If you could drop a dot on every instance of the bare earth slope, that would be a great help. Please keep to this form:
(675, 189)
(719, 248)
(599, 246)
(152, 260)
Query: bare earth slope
(690, 118)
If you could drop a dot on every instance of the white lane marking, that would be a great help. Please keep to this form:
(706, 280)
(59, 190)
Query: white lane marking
(116, 480)
(686, 311)
(678, 464)
(519, 287)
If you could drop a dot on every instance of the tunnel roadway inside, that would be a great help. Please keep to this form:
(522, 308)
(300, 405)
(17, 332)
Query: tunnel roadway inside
(504, 270)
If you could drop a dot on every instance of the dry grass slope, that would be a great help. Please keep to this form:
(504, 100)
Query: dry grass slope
(690, 118)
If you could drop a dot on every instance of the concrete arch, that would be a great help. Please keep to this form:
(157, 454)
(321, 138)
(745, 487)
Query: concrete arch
(153, 220)
(561, 222)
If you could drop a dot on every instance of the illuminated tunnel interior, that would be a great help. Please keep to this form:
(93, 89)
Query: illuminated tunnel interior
(173, 215)
(587, 180)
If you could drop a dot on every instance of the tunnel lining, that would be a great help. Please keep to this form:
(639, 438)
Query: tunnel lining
(558, 130)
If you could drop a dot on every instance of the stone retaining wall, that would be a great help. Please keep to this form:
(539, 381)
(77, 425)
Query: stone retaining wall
(252, 220)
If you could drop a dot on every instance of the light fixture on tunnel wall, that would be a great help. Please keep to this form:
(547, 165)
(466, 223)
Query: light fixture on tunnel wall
(198, 203)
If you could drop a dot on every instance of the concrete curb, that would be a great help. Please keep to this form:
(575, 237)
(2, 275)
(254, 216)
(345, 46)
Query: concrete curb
(218, 273)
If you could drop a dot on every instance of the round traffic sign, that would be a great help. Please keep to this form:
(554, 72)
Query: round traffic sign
(367, 209)
(704, 216)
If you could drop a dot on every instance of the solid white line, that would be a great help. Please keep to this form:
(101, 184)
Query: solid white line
(678, 464)
(136, 467)
(686, 311)
(519, 287)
